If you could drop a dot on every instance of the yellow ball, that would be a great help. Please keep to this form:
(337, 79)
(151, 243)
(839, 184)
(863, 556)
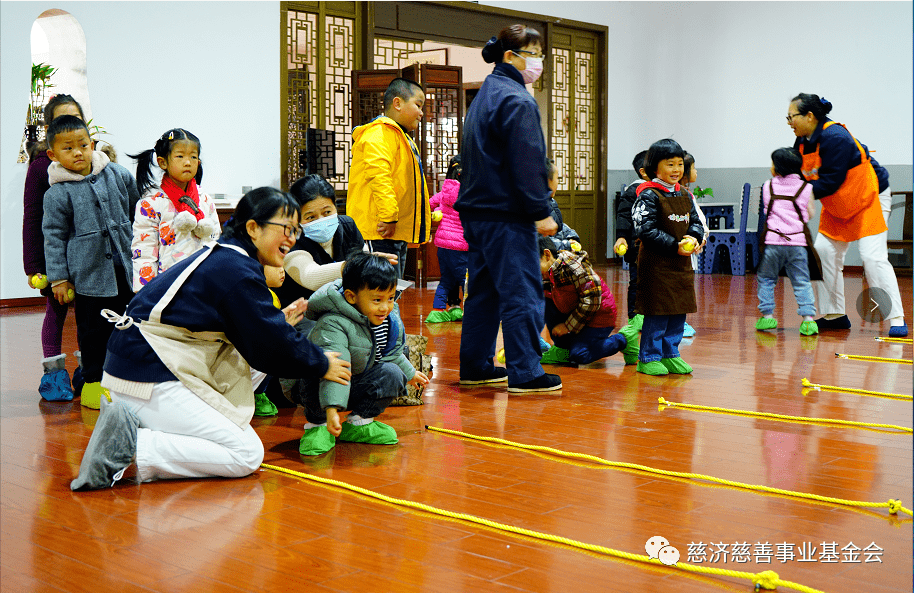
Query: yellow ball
(575, 246)
(71, 294)
(688, 247)
(622, 249)
(500, 357)
(437, 216)
(39, 281)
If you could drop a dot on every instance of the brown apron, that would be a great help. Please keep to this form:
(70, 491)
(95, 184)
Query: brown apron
(853, 211)
(666, 282)
(205, 362)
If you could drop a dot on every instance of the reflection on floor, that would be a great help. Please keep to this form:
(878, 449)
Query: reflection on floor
(273, 532)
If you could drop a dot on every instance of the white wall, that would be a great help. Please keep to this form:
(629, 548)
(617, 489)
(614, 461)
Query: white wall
(734, 66)
(210, 67)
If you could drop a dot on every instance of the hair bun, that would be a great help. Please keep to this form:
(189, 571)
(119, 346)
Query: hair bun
(493, 51)
(826, 105)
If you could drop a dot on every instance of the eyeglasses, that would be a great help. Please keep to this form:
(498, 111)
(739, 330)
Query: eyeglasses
(790, 117)
(290, 231)
(532, 54)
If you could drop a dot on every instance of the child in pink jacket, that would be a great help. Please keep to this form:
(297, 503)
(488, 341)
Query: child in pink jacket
(452, 249)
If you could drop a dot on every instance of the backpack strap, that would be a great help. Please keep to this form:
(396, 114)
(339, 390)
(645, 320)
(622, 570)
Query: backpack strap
(793, 199)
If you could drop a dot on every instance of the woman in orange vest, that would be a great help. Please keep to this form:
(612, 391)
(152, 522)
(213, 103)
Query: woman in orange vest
(843, 179)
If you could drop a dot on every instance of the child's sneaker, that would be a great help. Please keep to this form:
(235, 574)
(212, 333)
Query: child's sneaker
(765, 323)
(263, 406)
(91, 396)
(316, 441)
(809, 328)
(455, 314)
(676, 365)
(630, 352)
(55, 383)
(636, 322)
(898, 331)
(556, 355)
(373, 433)
(688, 331)
(438, 316)
(656, 368)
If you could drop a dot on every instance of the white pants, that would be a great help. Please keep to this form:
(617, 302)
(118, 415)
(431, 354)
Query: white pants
(885, 200)
(879, 273)
(181, 436)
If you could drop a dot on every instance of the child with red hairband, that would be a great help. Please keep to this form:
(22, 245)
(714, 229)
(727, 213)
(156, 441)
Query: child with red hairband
(173, 220)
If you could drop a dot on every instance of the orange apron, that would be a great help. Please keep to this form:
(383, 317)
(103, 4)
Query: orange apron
(852, 212)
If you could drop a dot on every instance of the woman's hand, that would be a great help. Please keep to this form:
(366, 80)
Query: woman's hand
(338, 372)
(418, 379)
(392, 258)
(295, 311)
(547, 227)
(334, 426)
(64, 292)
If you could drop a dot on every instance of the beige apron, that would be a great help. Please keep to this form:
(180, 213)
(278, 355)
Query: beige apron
(205, 362)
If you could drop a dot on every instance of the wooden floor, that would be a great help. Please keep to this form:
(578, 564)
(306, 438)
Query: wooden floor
(274, 532)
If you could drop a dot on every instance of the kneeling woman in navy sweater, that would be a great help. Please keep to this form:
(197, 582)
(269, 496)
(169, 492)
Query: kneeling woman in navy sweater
(178, 370)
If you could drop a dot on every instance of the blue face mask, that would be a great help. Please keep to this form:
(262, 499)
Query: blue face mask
(322, 229)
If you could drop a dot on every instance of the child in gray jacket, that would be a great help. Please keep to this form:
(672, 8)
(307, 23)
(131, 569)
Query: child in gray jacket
(358, 317)
(88, 227)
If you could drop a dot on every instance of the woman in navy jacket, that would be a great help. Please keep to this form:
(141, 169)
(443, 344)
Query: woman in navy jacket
(503, 203)
(178, 372)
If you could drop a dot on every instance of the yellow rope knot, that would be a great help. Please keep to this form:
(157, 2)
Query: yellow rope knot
(663, 401)
(766, 580)
(894, 506)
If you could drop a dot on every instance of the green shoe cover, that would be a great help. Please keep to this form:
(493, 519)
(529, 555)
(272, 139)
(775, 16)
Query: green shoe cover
(809, 328)
(676, 365)
(633, 339)
(263, 406)
(374, 433)
(315, 441)
(556, 355)
(636, 322)
(766, 323)
(652, 368)
(455, 314)
(437, 317)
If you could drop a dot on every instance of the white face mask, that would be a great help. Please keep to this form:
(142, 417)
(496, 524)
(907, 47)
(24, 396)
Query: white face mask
(532, 70)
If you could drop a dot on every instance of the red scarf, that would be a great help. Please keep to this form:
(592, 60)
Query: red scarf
(175, 194)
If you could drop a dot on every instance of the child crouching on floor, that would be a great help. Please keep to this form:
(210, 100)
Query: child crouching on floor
(358, 317)
(580, 309)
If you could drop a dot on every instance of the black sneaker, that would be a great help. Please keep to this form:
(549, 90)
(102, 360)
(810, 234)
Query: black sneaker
(545, 382)
(496, 375)
(838, 323)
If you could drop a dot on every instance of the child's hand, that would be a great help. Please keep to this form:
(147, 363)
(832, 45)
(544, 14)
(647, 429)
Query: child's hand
(338, 372)
(687, 245)
(547, 227)
(334, 426)
(418, 379)
(621, 246)
(560, 330)
(295, 311)
(64, 292)
(701, 247)
(386, 229)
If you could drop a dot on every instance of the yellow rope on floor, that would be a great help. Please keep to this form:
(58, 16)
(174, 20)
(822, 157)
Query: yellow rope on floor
(873, 358)
(766, 580)
(809, 385)
(784, 417)
(893, 505)
(895, 340)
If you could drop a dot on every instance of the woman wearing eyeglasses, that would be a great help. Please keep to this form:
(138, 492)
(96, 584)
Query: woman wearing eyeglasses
(181, 397)
(503, 203)
(847, 182)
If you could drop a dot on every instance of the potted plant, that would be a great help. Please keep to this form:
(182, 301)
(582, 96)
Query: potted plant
(41, 82)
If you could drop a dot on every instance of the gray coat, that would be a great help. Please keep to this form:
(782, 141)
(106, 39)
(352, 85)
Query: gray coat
(88, 221)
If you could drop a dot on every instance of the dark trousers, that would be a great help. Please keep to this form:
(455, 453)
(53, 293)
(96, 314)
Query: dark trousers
(632, 288)
(369, 393)
(453, 266)
(506, 286)
(93, 330)
(589, 344)
(398, 248)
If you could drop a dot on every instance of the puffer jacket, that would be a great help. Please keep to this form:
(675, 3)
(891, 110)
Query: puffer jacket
(386, 183)
(450, 232)
(341, 328)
